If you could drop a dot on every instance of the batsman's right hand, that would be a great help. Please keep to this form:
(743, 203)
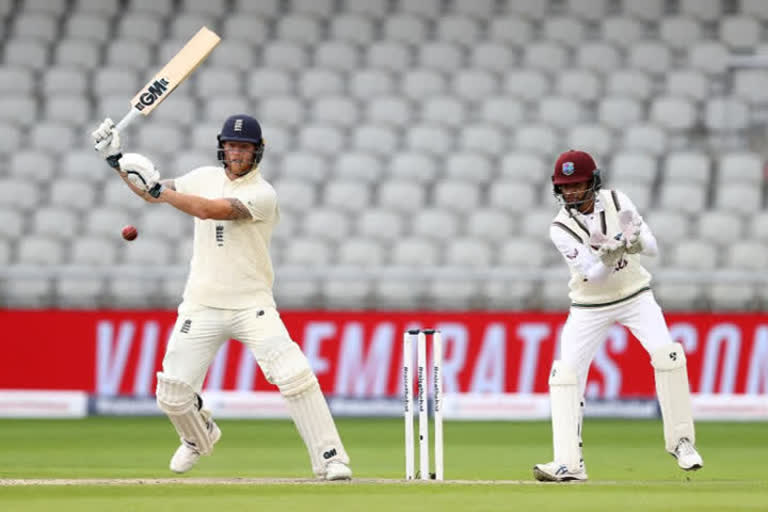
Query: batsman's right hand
(106, 141)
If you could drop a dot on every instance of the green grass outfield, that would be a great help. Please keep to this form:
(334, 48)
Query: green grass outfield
(627, 465)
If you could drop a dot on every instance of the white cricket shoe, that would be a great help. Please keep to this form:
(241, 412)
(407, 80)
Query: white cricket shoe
(554, 472)
(687, 457)
(336, 470)
(186, 455)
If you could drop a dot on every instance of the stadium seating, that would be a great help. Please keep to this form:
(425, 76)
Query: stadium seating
(398, 133)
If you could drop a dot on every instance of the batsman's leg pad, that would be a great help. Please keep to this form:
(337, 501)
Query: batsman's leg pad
(183, 406)
(287, 367)
(674, 395)
(566, 414)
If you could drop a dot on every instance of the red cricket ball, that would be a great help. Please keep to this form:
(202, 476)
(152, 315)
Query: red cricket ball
(130, 233)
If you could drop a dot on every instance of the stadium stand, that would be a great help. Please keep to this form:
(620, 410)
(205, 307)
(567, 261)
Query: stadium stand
(399, 133)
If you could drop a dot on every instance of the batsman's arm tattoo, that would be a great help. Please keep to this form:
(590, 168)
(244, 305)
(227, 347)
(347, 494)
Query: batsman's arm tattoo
(238, 211)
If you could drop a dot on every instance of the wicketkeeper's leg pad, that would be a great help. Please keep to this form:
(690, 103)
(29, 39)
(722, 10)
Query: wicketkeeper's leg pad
(183, 406)
(674, 395)
(566, 413)
(287, 367)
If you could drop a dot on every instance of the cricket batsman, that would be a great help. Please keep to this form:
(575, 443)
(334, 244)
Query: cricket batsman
(600, 233)
(228, 293)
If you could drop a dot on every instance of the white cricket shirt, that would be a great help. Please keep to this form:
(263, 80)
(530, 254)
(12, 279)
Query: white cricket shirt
(231, 267)
(593, 284)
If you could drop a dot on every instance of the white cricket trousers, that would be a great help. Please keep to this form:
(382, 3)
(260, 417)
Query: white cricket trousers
(200, 331)
(586, 329)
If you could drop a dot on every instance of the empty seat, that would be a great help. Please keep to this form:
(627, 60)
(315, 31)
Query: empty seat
(739, 198)
(124, 292)
(27, 292)
(156, 7)
(682, 197)
(474, 85)
(262, 83)
(327, 224)
(645, 138)
(492, 56)
(563, 29)
(703, 10)
(212, 82)
(503, 111)
(323, 139)
(435, 223)
(638, 193)
(31, 165)
(51, 136)
(56, 223)
(510, 30)
(147, 250)
(318, 82)
(106, 222)
(595, 139)
(358, 166)
(206, 7)
(621, 31)
(164, 224)
(429, 138)
(747, 255)
(545, 55)
(525, 253)
(57, 80)
(352, 28)
(19, 81)
(285, 55)
(538, 139)
(741, 167)
(141, 26)
(491, 225)
(117, 194)
(648, 10)
(694, 255)
(421, 84)
(457, 29)
(389, 56)
(446, 110)
(26, 53)
(128, 53)
(391, 110)
(118, 81)
(347, 196)
(482, 138)
(160, 138)
(440, 56)
(285, 110)
(380, 224)
(511, 196)
(415, 166)
(600, 57)
(304, 166)
(618, 112)
(457, 195)
(524, 168)
(688, 83)
(40, 250)
(415, 252)
(295, 195)
(674, 114)
(726, 114)
(87, 25)
(687, 167)
(579, 84)
(404, 29)
(233, 54)
(18, 109)
(402, 196)
(650, 56)
(592, 10)
(10, 137)
(245, 27)
(526, 84)
(337, 110)
(377, 139)
(560, 112)
(669, 227)
(50, 7)
(468, 166)
(720, 228)
(364, 252)
(710, 57)
(740, 32)
(369, 8)
(629, 83)
(337, 55)
(366, 84)
(679, 32)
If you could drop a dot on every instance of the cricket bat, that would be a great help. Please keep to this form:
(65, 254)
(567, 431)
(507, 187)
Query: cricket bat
(173, 73)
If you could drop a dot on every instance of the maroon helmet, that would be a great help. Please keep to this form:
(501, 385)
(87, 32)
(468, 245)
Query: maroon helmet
(575, 167)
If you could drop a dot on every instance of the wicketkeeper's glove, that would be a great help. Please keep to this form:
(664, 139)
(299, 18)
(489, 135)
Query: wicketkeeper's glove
(631, 223)
(609, 250)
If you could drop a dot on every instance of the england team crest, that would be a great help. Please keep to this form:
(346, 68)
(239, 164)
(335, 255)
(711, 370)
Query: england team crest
(568, 168)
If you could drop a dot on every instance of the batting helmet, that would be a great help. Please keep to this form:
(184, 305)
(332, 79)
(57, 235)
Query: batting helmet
(575, 167)
(241, 128)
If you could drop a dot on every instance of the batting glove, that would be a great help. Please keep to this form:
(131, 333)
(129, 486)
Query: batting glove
(141, 172)
(106, 141)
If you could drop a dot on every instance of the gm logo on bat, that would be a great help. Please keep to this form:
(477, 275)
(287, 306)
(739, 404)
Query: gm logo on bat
(154, 91)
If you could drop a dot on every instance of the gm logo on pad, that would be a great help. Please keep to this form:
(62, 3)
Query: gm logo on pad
(568, 168)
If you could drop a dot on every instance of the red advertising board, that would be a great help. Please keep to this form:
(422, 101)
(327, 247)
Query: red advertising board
(359, 354)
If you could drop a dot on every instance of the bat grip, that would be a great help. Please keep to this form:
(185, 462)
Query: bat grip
(127, 119)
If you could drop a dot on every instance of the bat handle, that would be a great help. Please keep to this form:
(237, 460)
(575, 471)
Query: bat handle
(127, 119)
